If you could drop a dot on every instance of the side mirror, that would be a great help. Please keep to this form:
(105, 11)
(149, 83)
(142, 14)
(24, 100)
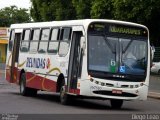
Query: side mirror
(83, 42)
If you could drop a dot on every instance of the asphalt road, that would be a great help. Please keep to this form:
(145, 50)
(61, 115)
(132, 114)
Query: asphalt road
(48, 103)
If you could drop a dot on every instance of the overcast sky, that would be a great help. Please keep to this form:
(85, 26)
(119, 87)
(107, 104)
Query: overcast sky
(19, 3)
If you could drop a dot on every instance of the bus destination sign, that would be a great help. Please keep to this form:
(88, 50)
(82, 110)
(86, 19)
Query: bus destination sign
(111, 28)
(126, 30)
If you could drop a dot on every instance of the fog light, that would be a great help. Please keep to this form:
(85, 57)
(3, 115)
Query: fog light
(137, 91)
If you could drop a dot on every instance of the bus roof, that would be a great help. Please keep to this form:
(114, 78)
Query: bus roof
(83, 22)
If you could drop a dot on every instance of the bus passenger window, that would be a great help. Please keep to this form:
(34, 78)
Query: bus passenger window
(53, 43)
(11, 41)
(66, 34)
(43, 44)
(65, 41)
(34, 41)
(25, 41)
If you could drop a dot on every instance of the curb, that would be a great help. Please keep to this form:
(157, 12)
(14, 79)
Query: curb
(154, 95)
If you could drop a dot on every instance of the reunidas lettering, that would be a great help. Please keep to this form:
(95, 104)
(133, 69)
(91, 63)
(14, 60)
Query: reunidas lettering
(36, 62)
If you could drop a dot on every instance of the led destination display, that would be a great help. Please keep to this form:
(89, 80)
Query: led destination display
(117, 29)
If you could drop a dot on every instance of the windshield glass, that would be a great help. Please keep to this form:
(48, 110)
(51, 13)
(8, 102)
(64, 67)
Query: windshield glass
(134, 57)
(117, 55)
(101, 53)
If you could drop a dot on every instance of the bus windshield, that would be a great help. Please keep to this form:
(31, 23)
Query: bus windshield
(117, 55)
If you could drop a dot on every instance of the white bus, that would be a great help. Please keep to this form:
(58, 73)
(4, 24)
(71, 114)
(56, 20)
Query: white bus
(92, 58)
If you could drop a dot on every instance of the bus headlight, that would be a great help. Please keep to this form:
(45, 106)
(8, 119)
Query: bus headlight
(96, 82)
(102, 83)
(136, 86)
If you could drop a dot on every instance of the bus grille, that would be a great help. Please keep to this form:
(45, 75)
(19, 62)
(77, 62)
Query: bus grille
(124, 94)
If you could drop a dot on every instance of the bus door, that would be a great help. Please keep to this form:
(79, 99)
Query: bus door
(15, 56)
(75, 61)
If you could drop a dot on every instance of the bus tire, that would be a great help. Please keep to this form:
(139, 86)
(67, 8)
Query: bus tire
(25, 91)
(116, 104)
(64, 98)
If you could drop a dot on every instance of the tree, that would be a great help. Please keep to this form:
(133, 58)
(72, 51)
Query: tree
(49, 10)
(11, 15)
(101, 9)
(35, 11)
(145, 12)
(82, 8)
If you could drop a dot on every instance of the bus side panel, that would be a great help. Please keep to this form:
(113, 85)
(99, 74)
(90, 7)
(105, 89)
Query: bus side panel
(8, 66)
(15, 75)
(39, 82)
(8, 73)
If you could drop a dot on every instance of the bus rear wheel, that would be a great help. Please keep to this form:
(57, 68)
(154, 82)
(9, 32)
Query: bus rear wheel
(25, 91)
(116, 104)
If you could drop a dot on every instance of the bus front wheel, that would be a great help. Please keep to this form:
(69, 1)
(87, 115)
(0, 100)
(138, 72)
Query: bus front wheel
(116, 104)
(64, 98)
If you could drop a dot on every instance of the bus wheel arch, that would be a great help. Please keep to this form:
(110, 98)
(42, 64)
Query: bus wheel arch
(24, 90)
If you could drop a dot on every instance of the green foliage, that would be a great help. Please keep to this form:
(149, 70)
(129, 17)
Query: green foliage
(10, 15)
(132, 10)
(145, 12)
(48, 10)
(101, 9)
(35, 10)
(83, 8)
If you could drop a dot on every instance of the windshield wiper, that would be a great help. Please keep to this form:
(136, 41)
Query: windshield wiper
(109, 45)
(123, 51)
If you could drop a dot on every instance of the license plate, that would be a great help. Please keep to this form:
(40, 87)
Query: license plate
(117, 91)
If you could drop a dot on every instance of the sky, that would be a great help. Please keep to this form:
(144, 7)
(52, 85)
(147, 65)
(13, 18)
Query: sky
(19, 3)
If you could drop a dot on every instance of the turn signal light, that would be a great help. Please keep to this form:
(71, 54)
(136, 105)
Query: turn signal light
(90, 78)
